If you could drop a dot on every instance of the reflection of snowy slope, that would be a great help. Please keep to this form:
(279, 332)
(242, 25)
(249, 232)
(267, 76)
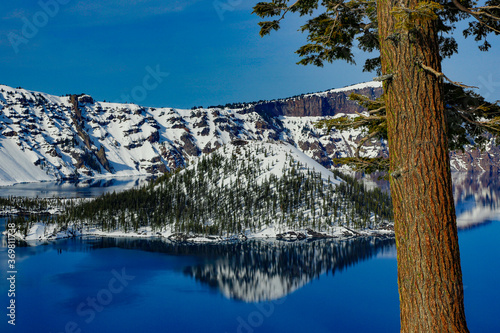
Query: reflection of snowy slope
(478, 216)
(249, 285)
(477, 199)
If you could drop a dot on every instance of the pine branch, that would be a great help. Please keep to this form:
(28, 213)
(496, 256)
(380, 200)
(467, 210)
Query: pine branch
(440, 75)
(263, 9)
(377, 110)
(477, 14)
(495, 128)
(365, 164)
(364, 140)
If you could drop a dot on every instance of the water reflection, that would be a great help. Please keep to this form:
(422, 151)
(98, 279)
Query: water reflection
(262, 271)
(477, 196)
(477, 199)
(251, 271)
(82, 189)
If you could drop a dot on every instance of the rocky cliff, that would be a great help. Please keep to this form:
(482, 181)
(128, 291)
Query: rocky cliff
(328, 103)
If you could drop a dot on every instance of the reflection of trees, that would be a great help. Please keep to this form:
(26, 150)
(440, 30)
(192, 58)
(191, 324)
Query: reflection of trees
(477, 198)
(255, 270)
(261, 270)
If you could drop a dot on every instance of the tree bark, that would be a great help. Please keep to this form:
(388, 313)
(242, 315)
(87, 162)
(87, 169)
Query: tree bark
(429, 271)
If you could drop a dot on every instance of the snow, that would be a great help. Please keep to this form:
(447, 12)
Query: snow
(370, 84)
(274, 158)
(40, 233)
(44, 125)
(18, 168)
(45, 132)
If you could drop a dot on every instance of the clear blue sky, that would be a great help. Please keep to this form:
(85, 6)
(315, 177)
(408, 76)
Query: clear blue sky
(210, 49)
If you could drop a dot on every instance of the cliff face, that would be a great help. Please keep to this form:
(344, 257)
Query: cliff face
(314, 105)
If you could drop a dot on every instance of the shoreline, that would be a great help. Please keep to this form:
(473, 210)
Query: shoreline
(40, 234)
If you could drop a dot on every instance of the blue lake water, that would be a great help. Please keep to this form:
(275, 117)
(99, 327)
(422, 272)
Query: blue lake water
(126, 285)
(82, 189)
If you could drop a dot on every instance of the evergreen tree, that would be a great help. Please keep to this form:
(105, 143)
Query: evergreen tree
(413, 37)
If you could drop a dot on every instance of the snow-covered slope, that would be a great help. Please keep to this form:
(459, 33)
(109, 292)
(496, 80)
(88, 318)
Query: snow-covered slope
(50, 137)
(46, 137)
(15, 167)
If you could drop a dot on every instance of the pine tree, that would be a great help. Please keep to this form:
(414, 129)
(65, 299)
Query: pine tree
(412, 38)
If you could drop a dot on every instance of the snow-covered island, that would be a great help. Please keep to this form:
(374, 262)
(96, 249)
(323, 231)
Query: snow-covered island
(244, 190)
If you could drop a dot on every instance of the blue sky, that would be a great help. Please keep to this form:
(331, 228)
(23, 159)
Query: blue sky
(180, 53)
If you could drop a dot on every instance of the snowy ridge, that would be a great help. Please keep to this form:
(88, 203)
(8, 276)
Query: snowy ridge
(45, 137)
(354, 87)
(76, 137)
(64, 141)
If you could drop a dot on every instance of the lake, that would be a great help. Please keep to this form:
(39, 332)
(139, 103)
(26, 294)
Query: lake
(127, 285)
(82, 189)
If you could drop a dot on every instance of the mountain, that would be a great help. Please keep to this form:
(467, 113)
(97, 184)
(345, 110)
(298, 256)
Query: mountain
(245, 189)
(46, 137)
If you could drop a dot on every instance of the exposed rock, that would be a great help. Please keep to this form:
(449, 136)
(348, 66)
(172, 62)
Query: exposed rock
(239, 142)
(156, 159)
(86, 99)
(173, 157)
(10, 133)
(182, 126)
(205, 131)
(189, 146)
(261, 125)
(208, 148)
(76, 109)
(134, 145)
(183, 238)
(154, 137)
(202, 123)
(157, 168)
(101, 157)
(131, 131)
(84, 161)
(318, 235)
(291, 236)
(325, 104)
(53, 152)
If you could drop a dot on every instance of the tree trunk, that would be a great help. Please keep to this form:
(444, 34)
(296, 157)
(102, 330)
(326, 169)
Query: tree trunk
(429, 272)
